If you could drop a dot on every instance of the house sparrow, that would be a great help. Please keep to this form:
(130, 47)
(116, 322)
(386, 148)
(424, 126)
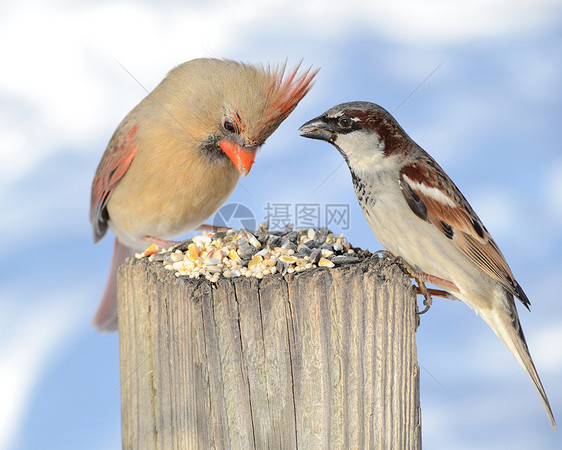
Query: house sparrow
(418, 214)
(177, 156)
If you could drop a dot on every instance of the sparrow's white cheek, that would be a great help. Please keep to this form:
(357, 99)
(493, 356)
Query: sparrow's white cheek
(364, 150)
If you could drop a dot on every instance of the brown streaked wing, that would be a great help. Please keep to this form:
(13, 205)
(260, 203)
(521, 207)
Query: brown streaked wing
(457, 220)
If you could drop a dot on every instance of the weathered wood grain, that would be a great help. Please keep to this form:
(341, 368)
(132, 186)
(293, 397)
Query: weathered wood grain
(322, 359)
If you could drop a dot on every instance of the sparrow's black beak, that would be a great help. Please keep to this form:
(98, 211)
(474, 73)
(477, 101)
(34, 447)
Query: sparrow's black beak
(318, 129)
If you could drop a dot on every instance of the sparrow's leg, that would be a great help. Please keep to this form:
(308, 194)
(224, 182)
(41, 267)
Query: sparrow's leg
(422, 278)
(427, 278)
(440, 293)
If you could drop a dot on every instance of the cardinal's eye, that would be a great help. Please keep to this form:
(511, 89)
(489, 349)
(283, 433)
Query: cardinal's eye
(345, 122)
(229, 125)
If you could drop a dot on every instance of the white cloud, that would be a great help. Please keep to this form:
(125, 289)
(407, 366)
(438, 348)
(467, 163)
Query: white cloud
(442, 22)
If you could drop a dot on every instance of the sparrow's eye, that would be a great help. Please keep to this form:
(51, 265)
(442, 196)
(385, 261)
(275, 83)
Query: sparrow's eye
(345, 122)
(229, 125)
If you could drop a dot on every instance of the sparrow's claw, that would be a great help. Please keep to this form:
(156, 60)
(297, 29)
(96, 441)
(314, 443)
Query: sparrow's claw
(385, 254)
(421, 278)
(398, 260)
(427, 300)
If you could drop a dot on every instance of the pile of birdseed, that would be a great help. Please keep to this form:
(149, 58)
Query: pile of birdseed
(243, 253)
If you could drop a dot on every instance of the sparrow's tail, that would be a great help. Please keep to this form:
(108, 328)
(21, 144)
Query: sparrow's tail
(106, 315)
(505, 323)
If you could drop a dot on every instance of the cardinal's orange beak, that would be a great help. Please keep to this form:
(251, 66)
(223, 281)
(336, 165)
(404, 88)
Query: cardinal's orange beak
(242, 158)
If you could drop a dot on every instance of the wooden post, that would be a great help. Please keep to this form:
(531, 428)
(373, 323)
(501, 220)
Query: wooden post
(321, 359)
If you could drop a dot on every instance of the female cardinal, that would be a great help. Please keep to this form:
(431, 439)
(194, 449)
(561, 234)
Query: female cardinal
(418, 214)
(176, 157)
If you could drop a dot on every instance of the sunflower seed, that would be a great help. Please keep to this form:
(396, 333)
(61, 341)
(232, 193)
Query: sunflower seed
(315, 256)
(342, 259)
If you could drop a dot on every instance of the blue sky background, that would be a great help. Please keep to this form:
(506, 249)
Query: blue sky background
(491, 115)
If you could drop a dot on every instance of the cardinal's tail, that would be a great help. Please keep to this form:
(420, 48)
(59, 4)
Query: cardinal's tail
(106, 315)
